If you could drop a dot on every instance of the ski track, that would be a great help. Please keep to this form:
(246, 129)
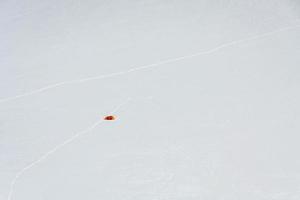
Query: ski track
(56, 148)
(172, 60)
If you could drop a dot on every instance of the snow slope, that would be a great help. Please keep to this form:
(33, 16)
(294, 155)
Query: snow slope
(206, 95)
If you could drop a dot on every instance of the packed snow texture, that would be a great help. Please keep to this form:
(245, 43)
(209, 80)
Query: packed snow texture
(206, 95)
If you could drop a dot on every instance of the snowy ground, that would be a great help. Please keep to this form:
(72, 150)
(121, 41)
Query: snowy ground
(206, 94)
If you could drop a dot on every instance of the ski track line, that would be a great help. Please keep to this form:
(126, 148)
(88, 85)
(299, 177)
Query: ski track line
(147, 66)
(56, 148)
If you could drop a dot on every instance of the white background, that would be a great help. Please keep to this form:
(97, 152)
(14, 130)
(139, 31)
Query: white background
(222, 124)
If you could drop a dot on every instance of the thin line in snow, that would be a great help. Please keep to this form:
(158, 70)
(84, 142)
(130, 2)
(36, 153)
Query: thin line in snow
(56, 85)
(56, 148)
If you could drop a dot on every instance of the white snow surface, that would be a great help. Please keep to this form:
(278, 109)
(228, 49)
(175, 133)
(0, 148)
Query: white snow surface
(205, 94)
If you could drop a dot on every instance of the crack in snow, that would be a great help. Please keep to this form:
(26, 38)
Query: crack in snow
(58, 147)
(147, 66)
